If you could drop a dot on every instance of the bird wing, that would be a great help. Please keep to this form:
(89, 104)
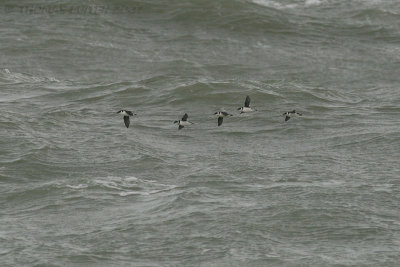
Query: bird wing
(220, 120)
(180, 127)
(126, 120)
(185, 117)
(247, 102)
(287, 118)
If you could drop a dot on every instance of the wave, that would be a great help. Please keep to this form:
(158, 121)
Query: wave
(11, 77)
(125, 186)
(20, 86)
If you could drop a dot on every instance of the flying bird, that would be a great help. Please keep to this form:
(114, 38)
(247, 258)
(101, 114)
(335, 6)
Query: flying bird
(126, 114)
(246, 107)
(183, 122)
(290, 114)
(221, 115)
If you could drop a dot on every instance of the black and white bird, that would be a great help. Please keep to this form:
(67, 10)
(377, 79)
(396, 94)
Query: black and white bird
(221, 115)
(126, 114)
(183, 122)
(290, 114)
(246, 107)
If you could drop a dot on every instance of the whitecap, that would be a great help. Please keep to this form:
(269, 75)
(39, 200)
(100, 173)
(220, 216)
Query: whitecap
(132, 185)
(79, 186)
(274, 4)
(312, 2)
(128, 193)
(131, 179)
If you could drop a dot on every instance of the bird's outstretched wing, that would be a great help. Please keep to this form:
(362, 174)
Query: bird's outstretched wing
(220, 120)
(126, 120)
(247, 102)
(185, 117)
(287, 118)
(180, 127)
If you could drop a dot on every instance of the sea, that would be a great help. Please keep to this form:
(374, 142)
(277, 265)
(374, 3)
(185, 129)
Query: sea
(78, 188)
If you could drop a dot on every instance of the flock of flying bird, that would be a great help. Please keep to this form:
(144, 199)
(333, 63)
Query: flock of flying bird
(221, 114)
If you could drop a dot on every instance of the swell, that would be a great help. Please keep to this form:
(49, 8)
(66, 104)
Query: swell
(240, 15)
(8, 77)
(156, 91)
(359, 139)
(272, 16)
(83, 92)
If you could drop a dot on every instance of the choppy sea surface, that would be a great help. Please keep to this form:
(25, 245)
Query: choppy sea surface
(78, 188)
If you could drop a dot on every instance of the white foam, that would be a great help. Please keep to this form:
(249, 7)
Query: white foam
(131, 179)
(313, 2)
(131, 185)
(279, 5)
(79, 186)
(108, 184)
(128, 193)
(274, 4)
(22, 77)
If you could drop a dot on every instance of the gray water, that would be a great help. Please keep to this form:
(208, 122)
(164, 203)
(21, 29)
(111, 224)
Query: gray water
(79, 188)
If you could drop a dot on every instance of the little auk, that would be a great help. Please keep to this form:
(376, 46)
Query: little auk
(221, 115)
(126, 114)
(183, 122)
(291, 114)
(246, 107)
